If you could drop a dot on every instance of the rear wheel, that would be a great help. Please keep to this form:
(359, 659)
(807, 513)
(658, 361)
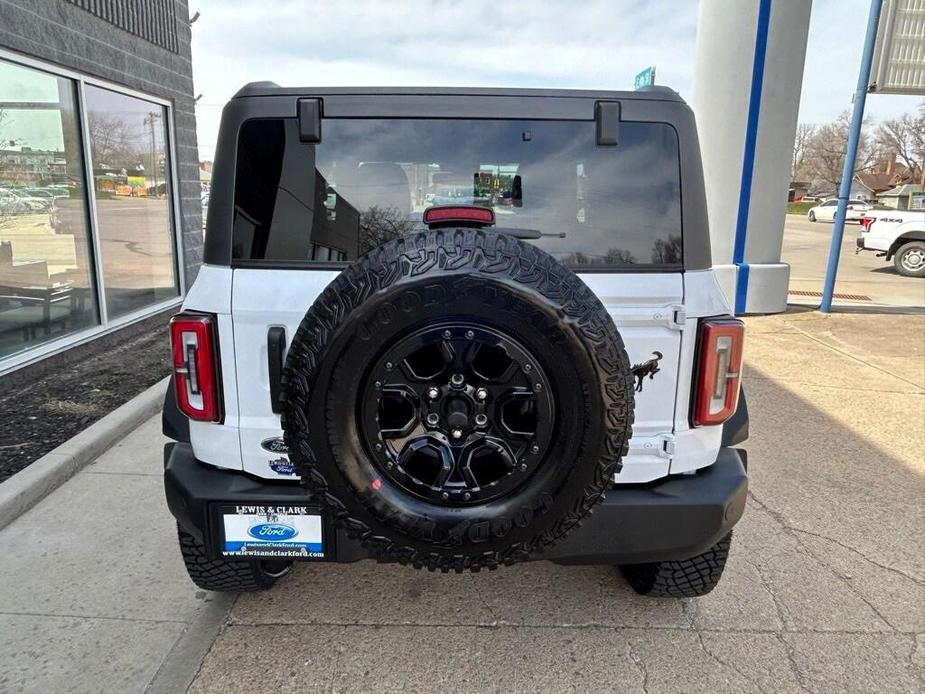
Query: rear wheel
(687, 578)
(909, 260)
(227, 576)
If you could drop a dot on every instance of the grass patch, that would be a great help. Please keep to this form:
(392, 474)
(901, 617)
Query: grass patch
(800, 207)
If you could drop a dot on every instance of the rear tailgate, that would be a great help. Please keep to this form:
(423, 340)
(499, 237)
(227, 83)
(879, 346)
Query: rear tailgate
(645, 307)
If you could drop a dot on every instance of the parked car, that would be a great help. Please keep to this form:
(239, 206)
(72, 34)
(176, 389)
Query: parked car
(461, 397)
(825, 212)
(15, 202)
(897, 235)
(450, 194)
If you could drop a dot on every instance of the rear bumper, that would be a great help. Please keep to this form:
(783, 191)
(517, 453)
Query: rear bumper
(674, 518)
(867, 242)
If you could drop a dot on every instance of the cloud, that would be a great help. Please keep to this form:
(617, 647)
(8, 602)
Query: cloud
(583, 44)
(833, 59)
(579, 44)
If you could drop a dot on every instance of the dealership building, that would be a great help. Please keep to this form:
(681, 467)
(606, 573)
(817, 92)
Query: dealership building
(100, 194)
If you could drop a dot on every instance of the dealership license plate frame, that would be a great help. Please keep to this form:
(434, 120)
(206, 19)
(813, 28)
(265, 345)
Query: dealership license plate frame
(256, 513)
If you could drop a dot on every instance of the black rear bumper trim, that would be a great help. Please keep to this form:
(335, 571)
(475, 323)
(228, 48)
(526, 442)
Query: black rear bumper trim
(675, 518)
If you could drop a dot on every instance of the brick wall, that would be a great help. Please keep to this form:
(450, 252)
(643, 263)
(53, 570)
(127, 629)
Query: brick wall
(140, 44)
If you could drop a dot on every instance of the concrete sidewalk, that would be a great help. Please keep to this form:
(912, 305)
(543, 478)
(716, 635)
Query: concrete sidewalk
(93, 594)
(825, 589)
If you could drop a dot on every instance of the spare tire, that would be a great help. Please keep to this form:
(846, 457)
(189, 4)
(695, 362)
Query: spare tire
(457, 399)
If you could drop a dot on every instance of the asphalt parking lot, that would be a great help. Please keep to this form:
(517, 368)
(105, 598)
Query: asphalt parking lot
(806, 249)
(825, 590)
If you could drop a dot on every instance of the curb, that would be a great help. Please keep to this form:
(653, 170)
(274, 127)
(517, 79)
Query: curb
(26, 488)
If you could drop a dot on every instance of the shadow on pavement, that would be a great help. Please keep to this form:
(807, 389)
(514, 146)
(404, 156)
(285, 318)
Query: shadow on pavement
(824, 591)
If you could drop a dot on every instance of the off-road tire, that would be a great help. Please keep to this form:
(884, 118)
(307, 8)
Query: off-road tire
(474, 272)
(900, 253)
(686, 578)
(224, 576)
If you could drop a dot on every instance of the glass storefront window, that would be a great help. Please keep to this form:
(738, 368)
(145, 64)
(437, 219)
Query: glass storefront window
(46, 286)
(133, 206)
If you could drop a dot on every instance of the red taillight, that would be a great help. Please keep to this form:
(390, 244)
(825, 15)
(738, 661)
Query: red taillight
(447, 214)
(717, 394)
(866, 222)
(192, 341)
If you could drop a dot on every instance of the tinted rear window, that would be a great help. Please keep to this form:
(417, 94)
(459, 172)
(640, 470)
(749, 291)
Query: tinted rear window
(370, 180)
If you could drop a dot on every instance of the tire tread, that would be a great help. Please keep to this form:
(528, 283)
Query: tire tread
(485, 253)
(217, 574)
(684, 578)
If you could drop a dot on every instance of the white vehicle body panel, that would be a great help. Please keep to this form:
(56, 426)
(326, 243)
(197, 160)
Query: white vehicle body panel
(218, 444)
(655, 312)
(889, 225)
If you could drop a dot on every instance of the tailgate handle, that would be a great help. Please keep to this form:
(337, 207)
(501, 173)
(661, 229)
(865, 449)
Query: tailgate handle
(276, 353)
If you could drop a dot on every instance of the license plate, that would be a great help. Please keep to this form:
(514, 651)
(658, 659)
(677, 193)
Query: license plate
(267, 532)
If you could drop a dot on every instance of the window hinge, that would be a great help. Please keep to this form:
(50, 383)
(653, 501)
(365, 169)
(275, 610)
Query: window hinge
(678, 316)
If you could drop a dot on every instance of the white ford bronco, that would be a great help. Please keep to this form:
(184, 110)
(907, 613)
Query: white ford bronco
(456, 329)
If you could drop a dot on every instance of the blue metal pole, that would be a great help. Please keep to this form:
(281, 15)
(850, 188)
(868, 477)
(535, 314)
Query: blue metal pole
(854, 135)
(748, 161)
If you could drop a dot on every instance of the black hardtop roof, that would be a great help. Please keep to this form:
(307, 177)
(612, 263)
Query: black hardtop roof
(267, 100)
(653, 93)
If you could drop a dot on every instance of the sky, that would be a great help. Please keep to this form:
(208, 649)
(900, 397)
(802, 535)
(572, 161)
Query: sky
(593, 44)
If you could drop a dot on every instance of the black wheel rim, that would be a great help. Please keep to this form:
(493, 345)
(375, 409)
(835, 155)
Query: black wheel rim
(456, 414)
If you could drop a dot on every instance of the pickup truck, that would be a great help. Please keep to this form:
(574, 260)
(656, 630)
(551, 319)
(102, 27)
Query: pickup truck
(897, 235)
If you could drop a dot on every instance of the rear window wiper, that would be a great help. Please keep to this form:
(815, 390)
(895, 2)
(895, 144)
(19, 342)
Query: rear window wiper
(527, 233)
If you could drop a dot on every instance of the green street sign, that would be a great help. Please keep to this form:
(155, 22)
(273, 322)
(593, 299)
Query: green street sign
(646, 78)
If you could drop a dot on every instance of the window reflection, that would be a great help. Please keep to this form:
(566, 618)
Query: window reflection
(370, 181)
(130, 178)
(45, 260)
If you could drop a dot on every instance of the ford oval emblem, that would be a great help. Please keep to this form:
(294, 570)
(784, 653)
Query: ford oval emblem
(281, 466)
(273, 532)
(274, 445)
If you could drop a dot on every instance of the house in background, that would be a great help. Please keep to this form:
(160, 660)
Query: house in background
(868, 186)
(901, 197)
(798, 191)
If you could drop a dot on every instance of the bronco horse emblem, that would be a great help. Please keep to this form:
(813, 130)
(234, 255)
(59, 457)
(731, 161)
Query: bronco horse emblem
(647, 368)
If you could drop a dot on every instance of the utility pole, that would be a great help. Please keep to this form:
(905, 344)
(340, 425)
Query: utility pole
(847, 174)
(149, 121)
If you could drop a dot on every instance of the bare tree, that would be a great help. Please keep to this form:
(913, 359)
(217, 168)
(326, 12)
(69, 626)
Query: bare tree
(667, 252)
(613, 256)
(6, 215)
(619, 256)
(5, 141)
(4, 117)
(111, 139)
(803, 135)
(904, 139)
(826, 148)
(381, 224)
